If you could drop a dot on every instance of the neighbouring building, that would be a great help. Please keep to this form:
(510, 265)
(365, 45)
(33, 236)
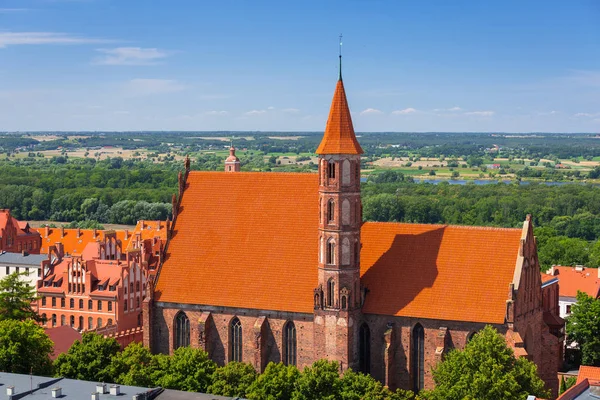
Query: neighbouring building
(280, 267)
(587, 386)
(17, 236)
(572, 280)
(99, 279)
(30, 265)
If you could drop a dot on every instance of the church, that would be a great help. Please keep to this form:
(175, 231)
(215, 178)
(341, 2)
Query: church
(264, 266)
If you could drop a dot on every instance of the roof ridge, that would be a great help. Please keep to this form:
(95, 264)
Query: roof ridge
(473, 227)
(255, 173)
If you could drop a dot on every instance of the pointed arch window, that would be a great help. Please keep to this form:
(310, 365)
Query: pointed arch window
(418, 357)
(364, 349)
(330, 292)
(235, 340)
(330, 211)
(331, 170)
(289, 340)
(80, 323)
(182, 331)
(53, 320)
(330, 252)
(90, 323)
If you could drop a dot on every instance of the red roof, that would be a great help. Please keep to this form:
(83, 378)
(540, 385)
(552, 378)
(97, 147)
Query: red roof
(339, 137)
(63, 337)
(249, 240)
(570, 280)
(585, 371)
(72, 244)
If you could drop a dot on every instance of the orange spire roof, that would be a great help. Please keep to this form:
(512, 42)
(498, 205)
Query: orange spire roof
(339, 137)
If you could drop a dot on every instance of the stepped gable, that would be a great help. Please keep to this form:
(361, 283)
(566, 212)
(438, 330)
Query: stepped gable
(339, 137)
(74, 241)
(225, 251)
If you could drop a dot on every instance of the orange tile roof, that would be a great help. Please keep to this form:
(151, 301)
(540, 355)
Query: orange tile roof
(570, 281)
(587, 372)
(438, 271)
(149, 230)
(546, 277)
(244, 240)
(72, 244)
(250, 240)
(339, 137)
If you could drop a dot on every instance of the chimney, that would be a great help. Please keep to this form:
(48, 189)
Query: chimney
(56, 392)
(142, 224)
(95, 396)
(157, 226)
(10, 390)
(550, 271)
(78, 233)
(126, 234)
(115, 390)
(95, 233)
(62, 231)
(47, 230)
(100, 388)
(24, 253)
(579, 268)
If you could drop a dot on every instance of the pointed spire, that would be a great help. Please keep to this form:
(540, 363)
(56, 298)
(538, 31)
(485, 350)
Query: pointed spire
(339, 137)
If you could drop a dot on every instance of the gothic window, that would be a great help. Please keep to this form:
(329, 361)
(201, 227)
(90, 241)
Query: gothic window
(72, 321)
(80, 323)
(346, 251)
(331, 170)
(331, 252)
(346, 212)
(344, 303)
(330, 211)
(235, 340)
(364, 349)
(289, 343)
(90, 323)
(330, 292)
(139, 320)
(182, 331)
(418, 357)
(346, 172)
(53, 320)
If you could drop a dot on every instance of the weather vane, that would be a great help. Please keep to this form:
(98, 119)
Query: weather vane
(340, 44)
(340, 57)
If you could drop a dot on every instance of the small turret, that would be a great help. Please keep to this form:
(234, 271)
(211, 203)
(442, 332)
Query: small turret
(232, 163)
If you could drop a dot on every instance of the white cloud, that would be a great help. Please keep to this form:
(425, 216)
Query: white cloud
(216, 112)
(406, 111)
(480, 113)
(371, 111)
(255, 112)
(584, 114)
(454, 109)
(451, 109)
(291, 110)
(129, 56)
(22, 38)
(143, 87)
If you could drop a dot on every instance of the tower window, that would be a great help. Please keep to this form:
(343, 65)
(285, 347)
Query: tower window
(331, 170)
(330, 211)
(364, 349)
(289, 341)
(330, 292)
(330, 252)
(182, 330)
(235, 340)
(418, 357)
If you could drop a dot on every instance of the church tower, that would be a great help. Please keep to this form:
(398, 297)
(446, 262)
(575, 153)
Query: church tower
(337, 297)
(232, 163)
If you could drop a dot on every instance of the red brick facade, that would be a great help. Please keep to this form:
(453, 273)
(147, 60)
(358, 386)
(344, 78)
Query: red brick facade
(17, 236)
(395, 330)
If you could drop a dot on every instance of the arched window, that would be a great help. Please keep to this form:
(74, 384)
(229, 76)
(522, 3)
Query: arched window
(90, 304)
(330, 252)
(53, 320)
(364, 349)
(44, 319)
(182, 331)
(72, 303)
(330, 211)
(289, 344)
(418, 357)
(346, 251)
(331, 170)
(81, 304)
(72, 321)
(90, 323)
(346, 172)
(346, 212)
(344, 303)
(330, 292)
(81, 323)
(63, 320)
(99, 323)
(235, 340)
(471, 336)
(109, 322)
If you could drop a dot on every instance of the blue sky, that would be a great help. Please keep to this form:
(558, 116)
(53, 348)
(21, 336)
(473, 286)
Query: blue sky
(512, 66)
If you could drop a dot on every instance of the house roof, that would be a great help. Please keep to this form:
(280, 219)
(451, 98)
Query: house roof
(27, 260)
(339, 137)
(588, 372)
(586, 389)
(63, 338)
(570, 280)
(148, 230)
(250, 240)
(72, 244)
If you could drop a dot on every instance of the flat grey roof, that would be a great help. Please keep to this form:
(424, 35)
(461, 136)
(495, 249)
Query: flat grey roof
(30, 260)
(169, 394)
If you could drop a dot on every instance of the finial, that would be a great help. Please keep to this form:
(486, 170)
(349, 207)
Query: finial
(340, 78)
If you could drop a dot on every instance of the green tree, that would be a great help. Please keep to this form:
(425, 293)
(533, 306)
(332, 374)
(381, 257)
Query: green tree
(134, 366)
(24, 348)
(232, 379)
(357, 386)
(16, 296)
(88, 359)
(319, 381)
(187, 369)
(485, 369)
(583, 328)
(275, 383)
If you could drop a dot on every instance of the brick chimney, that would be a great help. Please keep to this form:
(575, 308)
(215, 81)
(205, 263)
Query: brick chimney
(157, 226)
(47, 230)
(62, 232)
(126, 234)
(95, 233)
(78, 233)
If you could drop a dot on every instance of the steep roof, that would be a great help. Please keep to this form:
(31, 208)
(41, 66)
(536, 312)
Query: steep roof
(438, 271)
(339, 137)
(249, 240)
(570, 280)
(588, 372)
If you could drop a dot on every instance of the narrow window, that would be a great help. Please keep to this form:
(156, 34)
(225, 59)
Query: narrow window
(125, 305)
(53, 320)
(44, 301)
(44, 320)
(7, 270)
(99, 323)
(331, 170)
(90, 304)
(330, 292)
(182, 330)
(110, 306)
(109, 323)
(81, 323)
(72, 321)
(364, 349)
(62, 303)
(330, 211)
(90, 323)
(235, 340)
(330, 252)
(418, 357)
(63, 320)
(344, 303)
(81, 304)
(289, 340)
(139, 318)
(99, 305)
(71, 303)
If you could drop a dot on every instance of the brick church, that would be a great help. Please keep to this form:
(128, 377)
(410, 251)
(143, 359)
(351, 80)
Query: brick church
(280, 267)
